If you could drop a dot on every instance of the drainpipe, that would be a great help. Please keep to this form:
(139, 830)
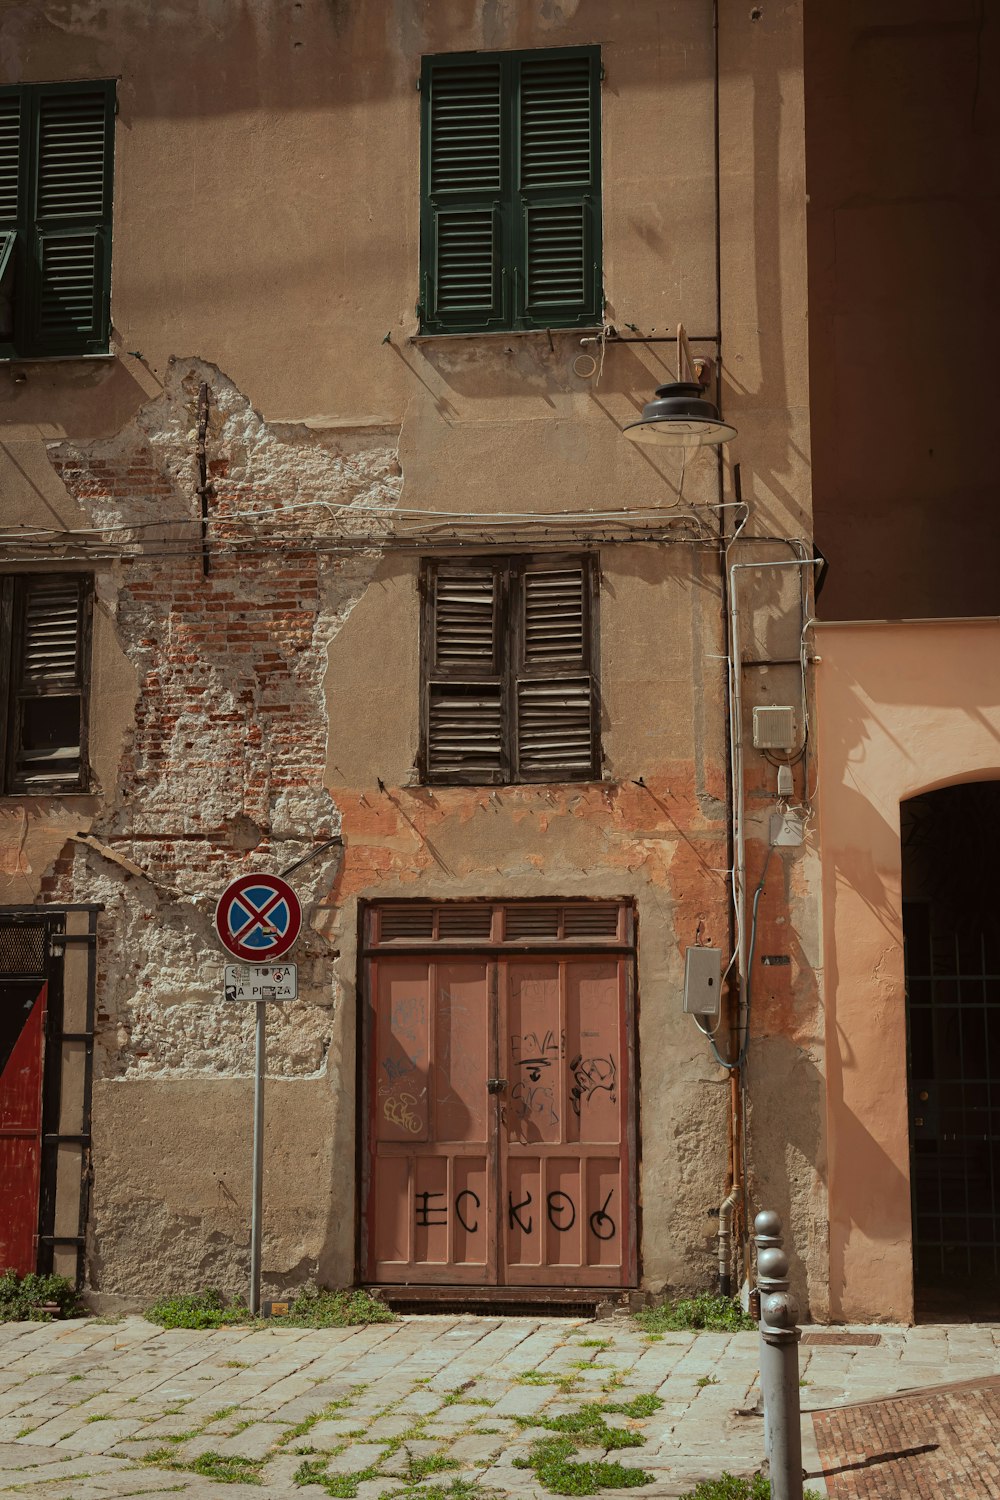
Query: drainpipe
(726, 1207)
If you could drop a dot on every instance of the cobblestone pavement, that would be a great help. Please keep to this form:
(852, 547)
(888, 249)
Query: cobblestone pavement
(91, 1409)
(944, 1442)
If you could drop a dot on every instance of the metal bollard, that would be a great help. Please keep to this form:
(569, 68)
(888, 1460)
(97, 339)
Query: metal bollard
(779, 1361)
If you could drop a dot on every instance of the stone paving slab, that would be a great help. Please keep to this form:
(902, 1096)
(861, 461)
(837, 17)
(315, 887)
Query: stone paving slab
(413, 1388)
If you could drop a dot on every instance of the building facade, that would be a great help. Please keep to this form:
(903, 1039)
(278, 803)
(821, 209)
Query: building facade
(325, 555)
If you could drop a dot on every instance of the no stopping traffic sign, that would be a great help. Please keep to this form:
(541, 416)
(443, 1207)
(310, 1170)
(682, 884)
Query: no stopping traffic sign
(258, 918)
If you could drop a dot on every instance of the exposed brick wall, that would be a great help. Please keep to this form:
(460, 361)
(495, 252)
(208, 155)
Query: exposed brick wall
(222, 770)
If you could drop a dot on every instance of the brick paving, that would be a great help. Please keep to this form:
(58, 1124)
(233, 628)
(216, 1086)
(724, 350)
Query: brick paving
(943, 1442)
(105, 1411)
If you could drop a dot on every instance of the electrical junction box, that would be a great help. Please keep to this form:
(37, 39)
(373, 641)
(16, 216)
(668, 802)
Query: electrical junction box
(786, 830)
(773, 727)
(703, 982)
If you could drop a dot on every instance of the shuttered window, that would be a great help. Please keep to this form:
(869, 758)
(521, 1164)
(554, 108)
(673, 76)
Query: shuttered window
(44, 673)
(56, 159)
(509, 651)
(511, 205)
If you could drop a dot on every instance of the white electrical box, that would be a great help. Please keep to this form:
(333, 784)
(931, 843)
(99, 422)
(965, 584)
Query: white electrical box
(773, 727)
(703, 982)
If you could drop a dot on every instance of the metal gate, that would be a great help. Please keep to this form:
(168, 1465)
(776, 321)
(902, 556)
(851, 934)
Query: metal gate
(952, 949)
(498, 1095)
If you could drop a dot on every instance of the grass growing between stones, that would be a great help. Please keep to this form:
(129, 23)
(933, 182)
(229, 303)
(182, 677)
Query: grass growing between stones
(339, 1486)
(553, 1459)
(729, 1487)
(554, 1466)
(344, 1309)
(224, 1467)
(208, 1309)
(310, 1309)
(325, 1414)
(706, 1312)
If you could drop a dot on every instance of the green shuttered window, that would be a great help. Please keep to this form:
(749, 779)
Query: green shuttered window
(510, 233)
(56, 164)
(509, 651)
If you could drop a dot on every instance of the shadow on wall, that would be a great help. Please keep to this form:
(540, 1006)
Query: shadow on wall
(862, 851)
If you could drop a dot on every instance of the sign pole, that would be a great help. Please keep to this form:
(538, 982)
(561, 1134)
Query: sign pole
(256, 1212)
(258, 916)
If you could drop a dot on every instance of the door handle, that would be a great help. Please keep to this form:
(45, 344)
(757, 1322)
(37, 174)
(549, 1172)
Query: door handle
(495, 1085)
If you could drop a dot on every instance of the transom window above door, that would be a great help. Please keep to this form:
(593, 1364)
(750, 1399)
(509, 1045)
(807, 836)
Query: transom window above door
(509, 659)
(510, 231)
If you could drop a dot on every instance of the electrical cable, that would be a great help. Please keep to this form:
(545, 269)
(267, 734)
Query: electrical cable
(355, 509)
(745, 1043)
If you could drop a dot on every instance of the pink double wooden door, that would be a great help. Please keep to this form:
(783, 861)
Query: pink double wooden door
(500, 1139)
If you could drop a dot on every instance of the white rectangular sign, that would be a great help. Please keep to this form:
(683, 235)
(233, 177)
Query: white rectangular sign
(261, 982)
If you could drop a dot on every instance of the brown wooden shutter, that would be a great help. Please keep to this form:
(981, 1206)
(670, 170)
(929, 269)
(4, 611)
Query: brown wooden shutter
(556, 710)
(465, 711)
(47, 743)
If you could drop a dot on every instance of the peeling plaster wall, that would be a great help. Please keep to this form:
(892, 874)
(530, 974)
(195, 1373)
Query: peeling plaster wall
(266, 219)
(221, 772)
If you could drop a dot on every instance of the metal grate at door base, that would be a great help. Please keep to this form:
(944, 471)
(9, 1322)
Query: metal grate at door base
(22, 948)
(865, 1340)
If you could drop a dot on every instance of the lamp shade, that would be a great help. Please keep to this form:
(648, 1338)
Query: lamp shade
(680, 417)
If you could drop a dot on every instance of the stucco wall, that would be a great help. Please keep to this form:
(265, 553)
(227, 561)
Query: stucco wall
(902, 136)
(902, 709)
(265, 243)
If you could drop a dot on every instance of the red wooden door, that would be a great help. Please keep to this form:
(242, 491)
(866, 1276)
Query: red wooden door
(22, 1017)
(498, 1135)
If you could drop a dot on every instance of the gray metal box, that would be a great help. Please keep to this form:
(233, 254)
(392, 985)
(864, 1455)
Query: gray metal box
(703, 982)
(773, 727)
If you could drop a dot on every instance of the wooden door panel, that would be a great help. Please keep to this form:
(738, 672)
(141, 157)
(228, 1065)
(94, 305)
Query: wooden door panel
(21, 1049)
(431, 1207)
(531, 1184)
(564, 1168)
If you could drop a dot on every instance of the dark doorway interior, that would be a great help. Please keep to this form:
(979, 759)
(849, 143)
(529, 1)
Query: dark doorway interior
(951, 920)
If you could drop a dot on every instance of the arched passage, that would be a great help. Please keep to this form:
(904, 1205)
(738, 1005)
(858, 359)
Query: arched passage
(950, 841)
(902, 708)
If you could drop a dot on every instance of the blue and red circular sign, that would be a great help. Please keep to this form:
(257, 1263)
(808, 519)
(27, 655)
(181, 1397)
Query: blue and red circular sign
(258, 918)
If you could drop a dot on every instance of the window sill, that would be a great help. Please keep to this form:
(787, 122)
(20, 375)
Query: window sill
(53, 359)
(492, 335)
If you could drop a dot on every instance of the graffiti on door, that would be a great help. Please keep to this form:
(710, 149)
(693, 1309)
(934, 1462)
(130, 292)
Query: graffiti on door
(498, 1121)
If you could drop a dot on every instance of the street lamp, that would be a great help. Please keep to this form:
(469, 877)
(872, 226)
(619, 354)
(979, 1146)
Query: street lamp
(679, 416)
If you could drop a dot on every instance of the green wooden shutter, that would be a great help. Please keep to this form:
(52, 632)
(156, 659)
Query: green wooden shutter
(74, 131)
(557, 219)
(465, 154)
(11, 228)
